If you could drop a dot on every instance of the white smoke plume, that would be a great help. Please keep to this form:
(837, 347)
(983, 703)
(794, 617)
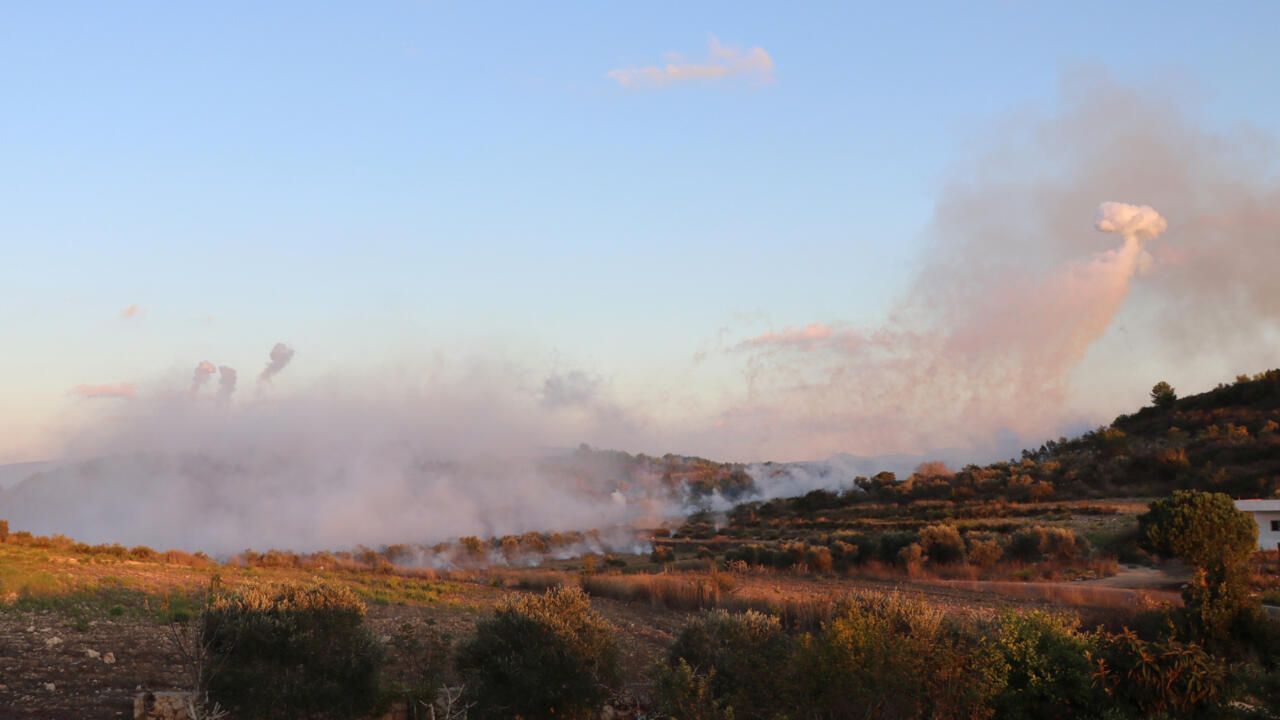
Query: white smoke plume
(200, 376)
(281, 354)
(226, 383)
(1013, 298)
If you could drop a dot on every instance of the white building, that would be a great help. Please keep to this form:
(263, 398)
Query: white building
(1267, 514)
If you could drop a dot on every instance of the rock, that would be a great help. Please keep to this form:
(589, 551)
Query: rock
(52, 642)
(50, 687)
(92, 654)
(109, 658)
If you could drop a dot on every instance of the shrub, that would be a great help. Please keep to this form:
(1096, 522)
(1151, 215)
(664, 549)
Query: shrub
(686, 694)
(985, 553)
(662, 554)
(943, 544)
(540, 656)
(1033, 544)
(895, 657)
(289, 650)
(740, 657)
(911, 557)
(1166, 677)
(1048, 666)
(420, 655)
(4, 531)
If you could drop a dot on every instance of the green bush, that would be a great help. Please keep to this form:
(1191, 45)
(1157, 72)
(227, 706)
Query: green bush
(686, 694)
(1049, 673)
(284, 651)
(540, 656)
(1158, 678)
(740, 657)
(896, 657)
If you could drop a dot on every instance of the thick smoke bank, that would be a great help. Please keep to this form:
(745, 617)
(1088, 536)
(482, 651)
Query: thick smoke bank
(1013, 295)
(345, 462)
(281, 354)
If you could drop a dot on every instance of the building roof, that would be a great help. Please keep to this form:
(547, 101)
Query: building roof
(1258, 505)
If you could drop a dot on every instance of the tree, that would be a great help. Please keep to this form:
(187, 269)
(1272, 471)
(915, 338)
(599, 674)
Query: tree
(1206, 531)
(1163, 395)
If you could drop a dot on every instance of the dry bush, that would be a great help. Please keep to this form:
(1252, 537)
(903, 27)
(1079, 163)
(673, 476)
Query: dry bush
(985, 553)
(942, 544)
(891, 656)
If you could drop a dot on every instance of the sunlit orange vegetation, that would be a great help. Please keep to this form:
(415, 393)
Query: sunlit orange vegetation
(140, 553)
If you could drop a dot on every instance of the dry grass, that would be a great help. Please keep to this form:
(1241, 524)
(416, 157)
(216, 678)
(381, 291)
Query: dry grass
(676, 591)
(1076, 595)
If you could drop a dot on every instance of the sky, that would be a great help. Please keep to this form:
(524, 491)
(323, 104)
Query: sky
(622, 194)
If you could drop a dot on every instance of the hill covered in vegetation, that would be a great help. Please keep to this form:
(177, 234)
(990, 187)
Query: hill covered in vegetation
(1224, 440)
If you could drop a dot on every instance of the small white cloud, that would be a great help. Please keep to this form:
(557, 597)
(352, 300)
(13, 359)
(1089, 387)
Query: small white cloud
(721, 62)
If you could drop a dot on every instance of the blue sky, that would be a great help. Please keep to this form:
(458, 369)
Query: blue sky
(377, 181)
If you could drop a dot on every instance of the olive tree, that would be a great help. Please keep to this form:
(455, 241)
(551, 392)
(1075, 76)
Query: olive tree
(1206, 531)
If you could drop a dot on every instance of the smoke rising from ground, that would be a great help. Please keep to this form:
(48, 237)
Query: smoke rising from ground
(1014, 292)
(201, 375)
(226, 383)
(281, 354)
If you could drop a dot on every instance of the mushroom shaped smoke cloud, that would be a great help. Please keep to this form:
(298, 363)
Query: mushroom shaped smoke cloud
(281, 354)
(1130, 221)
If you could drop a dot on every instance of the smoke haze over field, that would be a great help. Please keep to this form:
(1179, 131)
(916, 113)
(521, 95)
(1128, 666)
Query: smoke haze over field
(1036, 252)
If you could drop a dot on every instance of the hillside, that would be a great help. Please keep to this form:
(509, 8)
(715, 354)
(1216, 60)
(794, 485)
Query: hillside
(1225, 440)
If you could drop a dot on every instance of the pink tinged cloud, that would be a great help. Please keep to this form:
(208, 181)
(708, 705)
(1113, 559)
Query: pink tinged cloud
(130, 312)
(102, 392)
(943, 373)
(721, 62)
